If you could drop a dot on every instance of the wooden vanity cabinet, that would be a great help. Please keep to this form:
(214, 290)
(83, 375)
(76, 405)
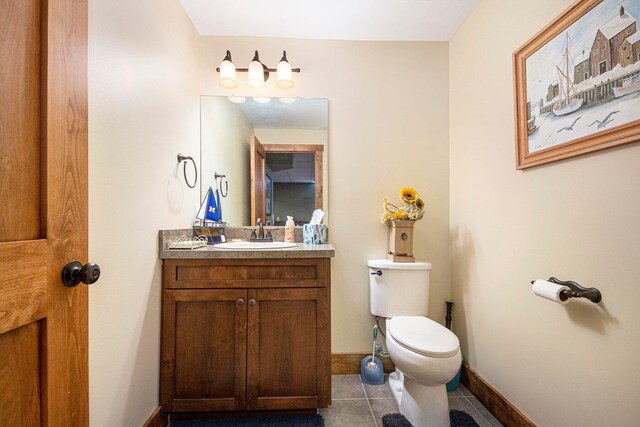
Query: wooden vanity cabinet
(245, 335)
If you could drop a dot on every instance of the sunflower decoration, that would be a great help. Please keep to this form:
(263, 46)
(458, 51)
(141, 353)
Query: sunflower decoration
(411, 208)
(408, 194)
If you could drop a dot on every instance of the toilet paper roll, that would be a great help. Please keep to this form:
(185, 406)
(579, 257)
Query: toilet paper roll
(549, 290)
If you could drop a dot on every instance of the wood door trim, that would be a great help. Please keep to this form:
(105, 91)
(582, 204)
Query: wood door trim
(293, 148)
(256, 146)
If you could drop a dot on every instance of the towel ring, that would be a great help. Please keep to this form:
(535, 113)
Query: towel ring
(184, 159)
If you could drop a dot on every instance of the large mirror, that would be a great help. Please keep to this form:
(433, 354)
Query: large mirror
(273, 156)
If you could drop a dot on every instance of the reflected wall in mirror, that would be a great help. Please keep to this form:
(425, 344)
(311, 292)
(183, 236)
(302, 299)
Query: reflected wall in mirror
(274, 156)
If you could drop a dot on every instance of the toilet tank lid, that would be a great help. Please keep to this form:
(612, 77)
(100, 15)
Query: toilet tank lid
(385, 263)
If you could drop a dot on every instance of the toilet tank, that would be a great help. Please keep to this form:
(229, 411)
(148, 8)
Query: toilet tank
(398, 288)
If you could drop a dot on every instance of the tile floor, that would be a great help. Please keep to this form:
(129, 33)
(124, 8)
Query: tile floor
(358, 405)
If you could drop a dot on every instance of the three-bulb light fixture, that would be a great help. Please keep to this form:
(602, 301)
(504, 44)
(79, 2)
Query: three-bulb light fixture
(258, 74)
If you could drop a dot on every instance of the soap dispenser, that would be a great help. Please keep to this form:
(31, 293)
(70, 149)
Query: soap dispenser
(289, 230)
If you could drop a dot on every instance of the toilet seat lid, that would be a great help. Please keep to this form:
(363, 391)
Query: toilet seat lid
(424, 336)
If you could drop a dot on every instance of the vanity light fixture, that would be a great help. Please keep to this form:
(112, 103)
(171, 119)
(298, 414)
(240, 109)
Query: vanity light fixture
(258, 73)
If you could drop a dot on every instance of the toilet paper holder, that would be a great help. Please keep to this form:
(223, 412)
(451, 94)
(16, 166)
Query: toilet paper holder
(576, 291)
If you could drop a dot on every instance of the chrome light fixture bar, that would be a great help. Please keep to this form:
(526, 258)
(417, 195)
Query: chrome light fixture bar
(258, 73)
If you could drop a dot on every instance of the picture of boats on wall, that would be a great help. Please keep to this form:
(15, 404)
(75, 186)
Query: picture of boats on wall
(587, 78)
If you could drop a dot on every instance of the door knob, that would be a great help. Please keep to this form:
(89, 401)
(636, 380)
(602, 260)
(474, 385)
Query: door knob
(74, 272)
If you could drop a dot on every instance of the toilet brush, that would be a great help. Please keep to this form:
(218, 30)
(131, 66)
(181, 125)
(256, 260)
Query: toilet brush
(371, 371)
(371, 364)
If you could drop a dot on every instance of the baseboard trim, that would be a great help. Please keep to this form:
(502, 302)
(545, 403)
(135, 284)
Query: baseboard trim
(349, 363)
(157, 419)
(495, 402)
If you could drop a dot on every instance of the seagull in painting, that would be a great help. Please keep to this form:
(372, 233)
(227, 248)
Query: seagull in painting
(570, 127)
(606, 120)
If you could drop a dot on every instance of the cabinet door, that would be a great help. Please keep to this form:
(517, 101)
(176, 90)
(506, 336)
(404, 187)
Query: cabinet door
(204, 350)
(288, 354)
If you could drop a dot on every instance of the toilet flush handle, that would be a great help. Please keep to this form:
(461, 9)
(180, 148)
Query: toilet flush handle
(376, 273)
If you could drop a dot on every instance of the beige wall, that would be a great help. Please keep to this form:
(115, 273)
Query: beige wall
(388, 128)
(225, 132)
(143, 111)
(577, 219)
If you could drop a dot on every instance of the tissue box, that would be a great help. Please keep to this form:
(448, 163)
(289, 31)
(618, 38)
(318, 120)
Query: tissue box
(314, 234)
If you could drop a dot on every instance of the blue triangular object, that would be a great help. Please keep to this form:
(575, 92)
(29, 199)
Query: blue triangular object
(212, 213)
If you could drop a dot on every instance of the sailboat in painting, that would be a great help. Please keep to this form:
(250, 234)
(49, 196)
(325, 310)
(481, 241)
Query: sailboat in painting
(569, 101)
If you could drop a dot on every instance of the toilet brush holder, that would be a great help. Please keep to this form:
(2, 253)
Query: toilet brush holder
(371, 375)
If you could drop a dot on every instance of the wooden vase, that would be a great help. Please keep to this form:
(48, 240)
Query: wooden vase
(401, 241)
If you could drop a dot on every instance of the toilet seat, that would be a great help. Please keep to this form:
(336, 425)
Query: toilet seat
(423, 336)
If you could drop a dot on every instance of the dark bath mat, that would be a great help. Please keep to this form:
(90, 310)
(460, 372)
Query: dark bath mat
(458, 419)
(461, 419)
(293, 420)
(395, 420)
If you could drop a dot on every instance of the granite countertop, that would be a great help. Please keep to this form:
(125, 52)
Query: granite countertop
(210, 251)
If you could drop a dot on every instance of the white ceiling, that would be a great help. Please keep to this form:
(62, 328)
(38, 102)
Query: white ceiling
(382, 20)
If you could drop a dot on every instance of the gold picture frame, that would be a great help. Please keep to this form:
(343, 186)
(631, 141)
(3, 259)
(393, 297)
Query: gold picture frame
(590, 106)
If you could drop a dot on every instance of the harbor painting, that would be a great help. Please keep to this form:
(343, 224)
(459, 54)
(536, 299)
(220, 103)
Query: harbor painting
(581, 86)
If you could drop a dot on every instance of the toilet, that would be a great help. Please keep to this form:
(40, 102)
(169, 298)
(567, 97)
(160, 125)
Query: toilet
(425, 353)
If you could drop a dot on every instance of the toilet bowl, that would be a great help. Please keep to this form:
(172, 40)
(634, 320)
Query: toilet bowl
(425, 353)
(427, 356)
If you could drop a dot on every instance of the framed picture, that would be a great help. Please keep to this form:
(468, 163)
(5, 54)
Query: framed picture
(268, 194)
(577, 83)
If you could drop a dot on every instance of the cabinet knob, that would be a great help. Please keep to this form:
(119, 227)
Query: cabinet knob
(252, 302)
(240, 301)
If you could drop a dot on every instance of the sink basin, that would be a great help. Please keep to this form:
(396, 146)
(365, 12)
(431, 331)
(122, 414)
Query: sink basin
(256, 246)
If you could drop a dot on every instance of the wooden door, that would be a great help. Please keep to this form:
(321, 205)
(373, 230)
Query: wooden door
(204, 350)
(43, 212)
(258, 160)
(288, 348)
